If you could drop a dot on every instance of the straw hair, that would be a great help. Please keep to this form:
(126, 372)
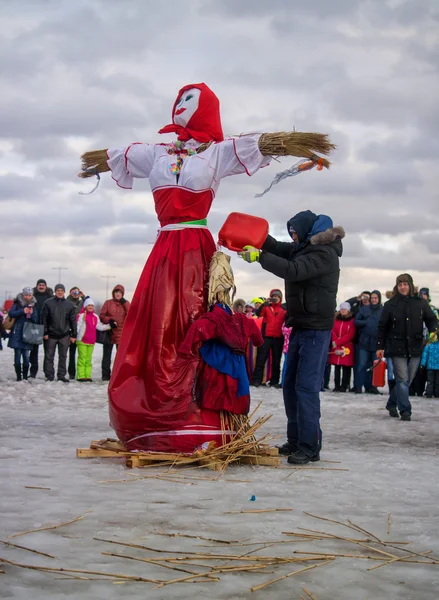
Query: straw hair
(294, 143)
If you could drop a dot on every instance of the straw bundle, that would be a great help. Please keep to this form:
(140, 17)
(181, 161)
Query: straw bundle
(95, 158)
(294, 143)
(221, 281)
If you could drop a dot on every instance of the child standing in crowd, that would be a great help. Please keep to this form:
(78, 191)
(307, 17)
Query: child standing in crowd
(342, 353)
(430, 361)
(88, 322)
(22, 310)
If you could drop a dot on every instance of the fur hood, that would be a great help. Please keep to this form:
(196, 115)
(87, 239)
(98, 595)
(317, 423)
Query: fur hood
(328, 236)
(22, 302)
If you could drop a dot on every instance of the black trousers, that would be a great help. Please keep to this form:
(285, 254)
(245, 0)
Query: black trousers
(33, 359)
(106, 361)
(417, 386)
(50, 347)
(432, 383)
(276, 346)
(345, 374)
(72, 361)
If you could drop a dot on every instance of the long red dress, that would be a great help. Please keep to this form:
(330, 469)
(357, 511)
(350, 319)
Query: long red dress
(151, 395)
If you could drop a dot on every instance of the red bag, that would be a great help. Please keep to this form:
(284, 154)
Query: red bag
(241, 230)
(379, 373)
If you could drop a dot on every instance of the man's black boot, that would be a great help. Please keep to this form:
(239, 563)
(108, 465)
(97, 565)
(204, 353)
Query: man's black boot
(25, 372)
(393, 412)
(300, 458)
(287, 449)
(406, 416)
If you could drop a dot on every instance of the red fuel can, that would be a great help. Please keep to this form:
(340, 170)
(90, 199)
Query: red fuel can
(379, 373)
(241, 230)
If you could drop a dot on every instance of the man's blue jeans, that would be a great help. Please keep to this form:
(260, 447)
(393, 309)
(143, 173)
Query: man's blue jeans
(306, 361)
(364, 360)
(405, 370)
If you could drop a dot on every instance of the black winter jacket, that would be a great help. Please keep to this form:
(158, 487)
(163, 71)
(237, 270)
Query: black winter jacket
(59, 318)
(400, 330)
(41, 298)
(311, 277)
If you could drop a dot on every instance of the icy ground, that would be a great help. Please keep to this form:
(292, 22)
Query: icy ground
(392, 467)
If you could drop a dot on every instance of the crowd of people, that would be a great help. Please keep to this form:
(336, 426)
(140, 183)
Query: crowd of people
(354, 343)
(67, 326)
(72, 328)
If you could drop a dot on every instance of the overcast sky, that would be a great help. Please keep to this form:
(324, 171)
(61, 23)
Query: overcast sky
(78, 75)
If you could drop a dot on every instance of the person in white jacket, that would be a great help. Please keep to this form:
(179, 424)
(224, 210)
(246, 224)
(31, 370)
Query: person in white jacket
(88, 323)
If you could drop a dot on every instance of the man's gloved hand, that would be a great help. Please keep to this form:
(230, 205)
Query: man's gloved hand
(113, 324)
(122, 300)
(250, 254)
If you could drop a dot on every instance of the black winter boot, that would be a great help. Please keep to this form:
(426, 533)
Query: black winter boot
(25, 372)
(18, 372)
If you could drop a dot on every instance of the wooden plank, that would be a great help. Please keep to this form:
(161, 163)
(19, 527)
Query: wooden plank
(268, 461)
(97, 453)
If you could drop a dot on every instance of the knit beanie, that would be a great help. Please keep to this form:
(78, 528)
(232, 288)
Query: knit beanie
(345, 306)
(27, 291)
(87, 302)
(41, 281)
(60, 286)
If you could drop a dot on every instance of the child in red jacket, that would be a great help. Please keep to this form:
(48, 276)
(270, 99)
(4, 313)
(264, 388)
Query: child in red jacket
(341, 353)
(274, 317)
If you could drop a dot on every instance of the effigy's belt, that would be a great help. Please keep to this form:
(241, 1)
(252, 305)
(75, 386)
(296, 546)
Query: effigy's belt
(201, 224)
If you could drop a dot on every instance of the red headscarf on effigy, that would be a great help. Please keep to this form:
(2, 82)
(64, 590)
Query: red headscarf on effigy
(205, 123)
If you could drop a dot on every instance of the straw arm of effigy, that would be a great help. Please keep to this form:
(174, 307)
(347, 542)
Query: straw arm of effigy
(295, 143)
(283, 143)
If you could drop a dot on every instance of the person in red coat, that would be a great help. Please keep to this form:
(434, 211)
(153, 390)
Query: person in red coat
(274, 317)
(221, 337)
(113, 313)
(342, 352)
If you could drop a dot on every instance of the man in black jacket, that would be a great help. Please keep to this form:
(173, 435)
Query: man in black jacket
(59, 320)
(41, 294)
(400, 334)
(310, 268)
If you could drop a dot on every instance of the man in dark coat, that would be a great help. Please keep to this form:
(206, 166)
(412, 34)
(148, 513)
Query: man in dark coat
(310, 268)
(400, 333)
(59, 320)
(41, 294)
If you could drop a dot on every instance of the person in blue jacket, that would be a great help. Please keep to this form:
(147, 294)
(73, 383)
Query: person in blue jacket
(366, 322)
(430, 361)
(23, 309)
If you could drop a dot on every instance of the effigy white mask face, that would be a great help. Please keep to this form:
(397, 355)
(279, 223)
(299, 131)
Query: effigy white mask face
(186, 107)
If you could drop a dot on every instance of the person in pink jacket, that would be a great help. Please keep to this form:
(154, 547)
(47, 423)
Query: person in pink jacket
(342, 350)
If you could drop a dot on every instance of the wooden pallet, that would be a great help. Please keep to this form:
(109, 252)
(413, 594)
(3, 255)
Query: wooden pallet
(114, 449)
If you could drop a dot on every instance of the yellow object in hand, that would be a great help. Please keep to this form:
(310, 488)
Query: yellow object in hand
(250, 254)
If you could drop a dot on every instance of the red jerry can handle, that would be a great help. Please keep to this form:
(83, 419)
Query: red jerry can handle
(241, 230)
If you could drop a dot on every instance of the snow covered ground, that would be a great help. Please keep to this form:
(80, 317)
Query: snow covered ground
(392, 467)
